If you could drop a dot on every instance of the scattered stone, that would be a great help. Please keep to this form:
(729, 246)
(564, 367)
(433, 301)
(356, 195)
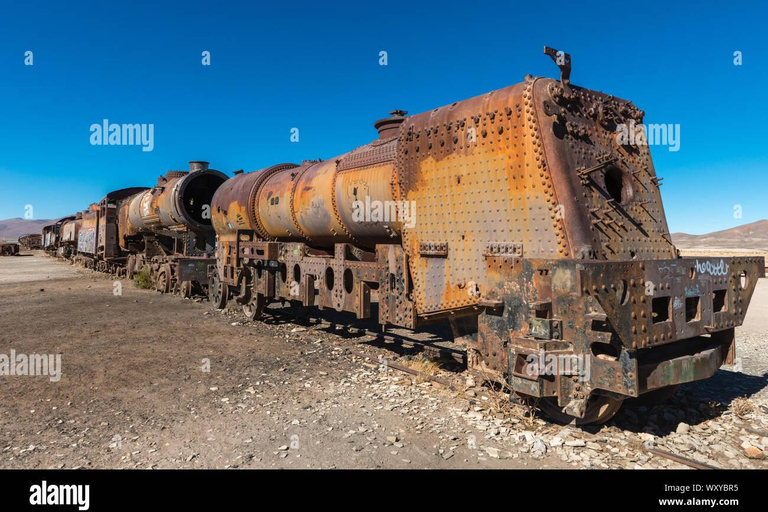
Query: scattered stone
(538, 448)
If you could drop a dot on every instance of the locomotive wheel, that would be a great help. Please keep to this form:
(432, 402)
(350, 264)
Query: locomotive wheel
(218, 293)
(163, 280)
(254, 309)
(130, 265)
(186, 289)
(655, 397)
(600, 408)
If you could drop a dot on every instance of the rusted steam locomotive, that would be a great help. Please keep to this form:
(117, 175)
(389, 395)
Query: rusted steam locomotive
(166, 228)
(518, 217)
(31, 242)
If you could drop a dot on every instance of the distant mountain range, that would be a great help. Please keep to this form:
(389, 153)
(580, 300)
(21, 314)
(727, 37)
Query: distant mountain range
(753, 236)
(12, 229)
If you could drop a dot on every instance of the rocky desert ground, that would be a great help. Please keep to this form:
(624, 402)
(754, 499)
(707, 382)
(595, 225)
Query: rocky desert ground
(156, 381)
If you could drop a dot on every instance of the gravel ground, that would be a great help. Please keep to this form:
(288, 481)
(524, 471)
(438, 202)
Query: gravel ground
(153, 381)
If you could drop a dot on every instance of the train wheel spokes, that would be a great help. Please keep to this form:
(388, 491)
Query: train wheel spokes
(600, 408)
(163, 280)
(130, 265)
(186, 289)
(254, 309)
(218, 293)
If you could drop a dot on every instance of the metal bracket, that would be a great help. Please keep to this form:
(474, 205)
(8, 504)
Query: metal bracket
(434, 249)
(563, 61)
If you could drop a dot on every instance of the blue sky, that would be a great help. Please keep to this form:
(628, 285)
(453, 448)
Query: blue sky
(315, 66)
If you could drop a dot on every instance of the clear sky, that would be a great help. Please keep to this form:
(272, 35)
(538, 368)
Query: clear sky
(315, 66)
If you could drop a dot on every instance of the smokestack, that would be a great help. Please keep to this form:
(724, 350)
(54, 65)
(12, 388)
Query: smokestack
(198, 166)
(389, 126)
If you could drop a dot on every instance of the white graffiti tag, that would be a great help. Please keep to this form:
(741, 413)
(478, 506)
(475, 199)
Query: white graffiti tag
(715, 269)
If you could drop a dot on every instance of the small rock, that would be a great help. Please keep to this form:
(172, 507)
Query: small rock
(576, 443)
(683, 428)
(538, 448)
(753, 452)
(492, 452)
(392, 439)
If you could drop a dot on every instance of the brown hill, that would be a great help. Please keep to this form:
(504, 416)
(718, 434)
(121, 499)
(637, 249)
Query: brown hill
(753, 236)
(12, 229)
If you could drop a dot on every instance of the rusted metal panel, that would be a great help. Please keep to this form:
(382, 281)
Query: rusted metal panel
(473, 172)
(194, 269)
(313, 202)
(88, 232)
(603, 313)
(31, 242)
(608, 192)
(275, 204)
(9, 249)
(180, 200)
(236, 203)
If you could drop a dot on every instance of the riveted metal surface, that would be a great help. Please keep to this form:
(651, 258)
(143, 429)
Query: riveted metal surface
(610, 199)
(275, 208)
(377, 152)
(314, 205)
(475, 173)
(253, 206)
(229, 209)
(177, 202)
(235, 204)
(365, 205)
(610, 304)
(69, 231)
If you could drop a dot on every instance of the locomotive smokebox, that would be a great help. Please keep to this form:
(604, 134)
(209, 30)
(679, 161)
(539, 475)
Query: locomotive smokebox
(180, 200)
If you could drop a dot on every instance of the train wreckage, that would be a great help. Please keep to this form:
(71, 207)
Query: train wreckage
(517, 216)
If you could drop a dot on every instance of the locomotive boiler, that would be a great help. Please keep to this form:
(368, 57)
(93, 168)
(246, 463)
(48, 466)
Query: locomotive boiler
(519, 217)
(168, 228)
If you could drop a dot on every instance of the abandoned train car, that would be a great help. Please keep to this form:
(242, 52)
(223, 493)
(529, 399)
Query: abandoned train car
(518, 217)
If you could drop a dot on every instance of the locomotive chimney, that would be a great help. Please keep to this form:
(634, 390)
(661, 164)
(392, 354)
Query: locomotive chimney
(198, 166)
(389, 126)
